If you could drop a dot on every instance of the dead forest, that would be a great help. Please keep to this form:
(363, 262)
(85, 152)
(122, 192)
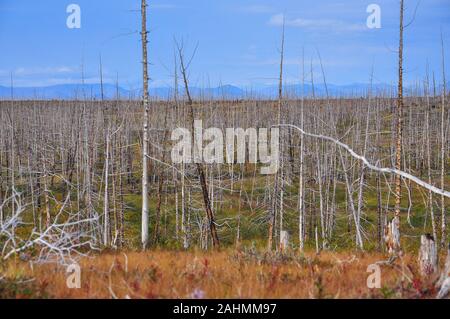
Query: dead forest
(83, 176)
(79, 161)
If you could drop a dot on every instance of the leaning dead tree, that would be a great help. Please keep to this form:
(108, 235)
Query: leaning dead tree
(393, 171)
(200, 171)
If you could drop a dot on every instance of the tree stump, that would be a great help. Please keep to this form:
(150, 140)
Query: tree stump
(444, 281)
(284, 240)
(392, 237)
(428, 258)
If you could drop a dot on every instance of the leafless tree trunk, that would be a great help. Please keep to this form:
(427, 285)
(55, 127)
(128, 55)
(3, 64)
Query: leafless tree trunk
(443, 154)
(200, 170)
(428, 257)
(301, 217)
(278, 184)
(145, 192)
(398, 151)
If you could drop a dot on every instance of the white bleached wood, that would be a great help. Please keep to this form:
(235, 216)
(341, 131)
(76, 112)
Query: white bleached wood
(403, 174)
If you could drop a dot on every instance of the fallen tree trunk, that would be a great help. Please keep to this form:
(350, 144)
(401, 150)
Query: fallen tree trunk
(387, 170)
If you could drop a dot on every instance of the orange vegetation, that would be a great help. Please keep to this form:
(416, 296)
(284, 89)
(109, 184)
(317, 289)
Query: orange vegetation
(225, 274)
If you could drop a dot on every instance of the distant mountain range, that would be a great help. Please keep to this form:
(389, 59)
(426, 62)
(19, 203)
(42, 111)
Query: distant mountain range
(64, 91)
(110, 91)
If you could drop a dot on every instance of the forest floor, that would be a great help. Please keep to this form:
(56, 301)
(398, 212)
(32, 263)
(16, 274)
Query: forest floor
(223, 274)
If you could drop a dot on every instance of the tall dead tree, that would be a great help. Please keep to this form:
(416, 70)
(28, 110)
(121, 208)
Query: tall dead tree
(106, 215)
(428, 151)
(443, 157)
(278, 182)
(161, 181)
(301, 217)
(395, 245)
(145, 209)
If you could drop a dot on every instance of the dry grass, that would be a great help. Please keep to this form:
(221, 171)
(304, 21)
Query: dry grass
(227, 274)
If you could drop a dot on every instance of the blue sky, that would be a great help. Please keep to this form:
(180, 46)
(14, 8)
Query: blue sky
(238, 41)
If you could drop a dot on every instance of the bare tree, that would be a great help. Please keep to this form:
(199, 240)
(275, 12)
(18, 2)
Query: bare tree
(443, 155)
(199, 166)
(301, 216)
(399, 137)
(145, 201)
(278, 184)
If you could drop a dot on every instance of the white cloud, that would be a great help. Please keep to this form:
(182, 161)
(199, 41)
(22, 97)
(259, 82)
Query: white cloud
(49, 81)
(296, 62)
(41, 76)
(331, 24)
(256, 9)
(21, 71)
(163, 6)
